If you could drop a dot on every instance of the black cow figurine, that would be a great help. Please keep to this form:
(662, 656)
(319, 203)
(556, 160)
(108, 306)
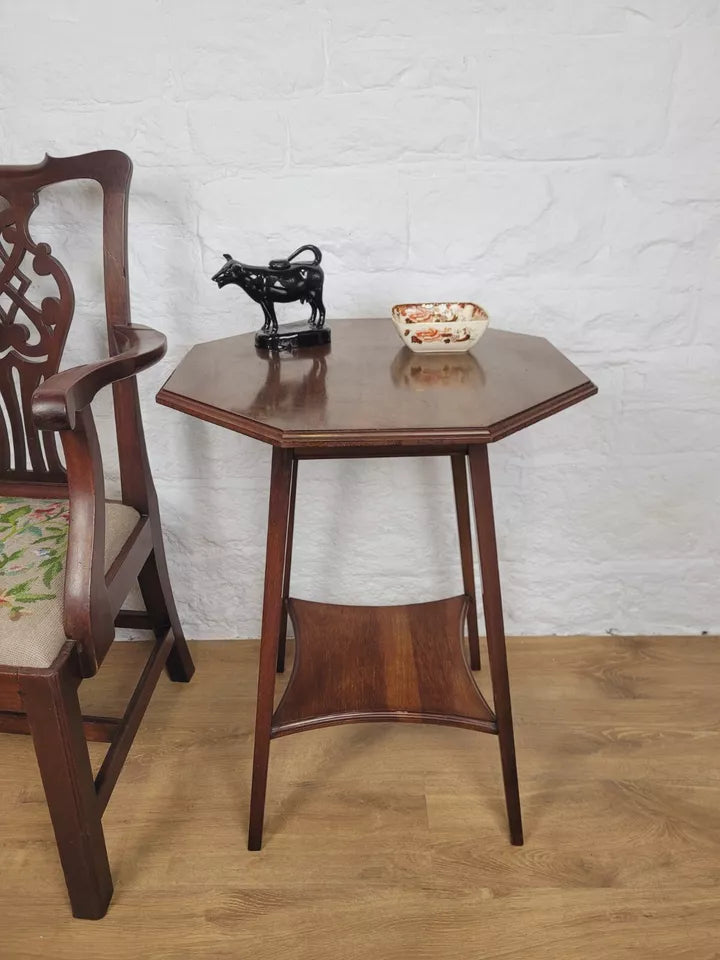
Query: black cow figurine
(283, 282)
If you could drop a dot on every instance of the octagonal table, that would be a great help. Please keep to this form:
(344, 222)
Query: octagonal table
(365, 395)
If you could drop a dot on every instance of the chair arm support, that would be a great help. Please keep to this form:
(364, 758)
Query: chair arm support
(56, 402)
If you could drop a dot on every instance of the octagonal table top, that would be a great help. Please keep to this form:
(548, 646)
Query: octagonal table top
(367, 389)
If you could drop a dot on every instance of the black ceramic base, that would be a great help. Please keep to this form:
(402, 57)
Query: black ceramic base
(290, 336)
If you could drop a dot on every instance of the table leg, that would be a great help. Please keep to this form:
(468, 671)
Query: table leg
(462, 509)
(286, 573)
(278, 515)
(495, 630)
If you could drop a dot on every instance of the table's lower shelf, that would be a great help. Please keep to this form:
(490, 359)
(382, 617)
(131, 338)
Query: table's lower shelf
(355, 664)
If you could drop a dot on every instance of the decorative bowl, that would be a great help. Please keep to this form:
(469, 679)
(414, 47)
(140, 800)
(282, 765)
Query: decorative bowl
(439, 327)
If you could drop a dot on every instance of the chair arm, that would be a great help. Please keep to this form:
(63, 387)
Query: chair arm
(57, 401)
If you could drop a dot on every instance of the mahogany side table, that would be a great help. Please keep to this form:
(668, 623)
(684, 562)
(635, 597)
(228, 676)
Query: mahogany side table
(367, 396)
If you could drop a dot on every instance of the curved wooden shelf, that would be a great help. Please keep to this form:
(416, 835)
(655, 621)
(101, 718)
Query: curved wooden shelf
(401, 663)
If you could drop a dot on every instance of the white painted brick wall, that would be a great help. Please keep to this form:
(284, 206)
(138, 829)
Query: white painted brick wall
(556, 160)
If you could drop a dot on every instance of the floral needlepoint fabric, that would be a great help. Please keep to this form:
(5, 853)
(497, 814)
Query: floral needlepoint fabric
(33, 548)
(33, 544)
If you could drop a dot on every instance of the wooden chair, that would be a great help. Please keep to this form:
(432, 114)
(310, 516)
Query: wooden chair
(55, 521)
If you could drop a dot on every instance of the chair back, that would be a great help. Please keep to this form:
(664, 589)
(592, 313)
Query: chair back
(33, 326)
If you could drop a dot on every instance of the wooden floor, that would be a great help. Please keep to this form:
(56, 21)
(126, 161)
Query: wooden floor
(390, 842)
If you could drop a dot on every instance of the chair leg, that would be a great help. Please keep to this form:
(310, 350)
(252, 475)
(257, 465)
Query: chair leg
(280, 484)
(462, 509)
(495, 629)
(286, 572)
(55, 719)
(158, 597)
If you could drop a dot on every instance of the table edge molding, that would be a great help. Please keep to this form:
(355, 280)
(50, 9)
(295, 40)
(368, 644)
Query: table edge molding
(435, 436)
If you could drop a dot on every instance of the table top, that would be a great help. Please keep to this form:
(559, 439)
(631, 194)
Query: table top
(366, 389)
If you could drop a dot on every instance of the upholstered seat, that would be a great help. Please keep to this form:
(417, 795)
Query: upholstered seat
(33, 544)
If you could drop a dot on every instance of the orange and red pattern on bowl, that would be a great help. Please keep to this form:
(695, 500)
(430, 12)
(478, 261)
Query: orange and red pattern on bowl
(448, 327)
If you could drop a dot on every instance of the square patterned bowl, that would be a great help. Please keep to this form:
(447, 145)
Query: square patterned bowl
(439, 327)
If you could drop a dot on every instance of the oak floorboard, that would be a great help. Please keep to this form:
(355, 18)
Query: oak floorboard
(390, 841)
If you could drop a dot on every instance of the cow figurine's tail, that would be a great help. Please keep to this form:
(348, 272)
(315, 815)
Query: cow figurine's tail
(284, 264)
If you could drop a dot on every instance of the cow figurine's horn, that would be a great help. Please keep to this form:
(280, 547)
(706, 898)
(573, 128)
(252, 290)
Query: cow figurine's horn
(227, 256)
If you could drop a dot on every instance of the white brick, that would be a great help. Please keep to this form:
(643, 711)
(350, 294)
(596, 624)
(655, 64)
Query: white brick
(669, 14)
(652, 494)
(162, 258)
(363, 63)
(237, 134)
(457, 219)
(219, 606)
(394, 18)
(377, 126)
(622, 598)
(464, 23)
(157, 199)
(360, 219)
(274, 50)
(666, 431)
(151, 132)
(696, 100)
(91, 53)
(687, 378)
(371, 294)
(655, 599)
(578, 597)
(604, 319)
(592, 16)
(565, 97)
(658, 229)
(712, 282)
(709, 314)
(569, 235)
